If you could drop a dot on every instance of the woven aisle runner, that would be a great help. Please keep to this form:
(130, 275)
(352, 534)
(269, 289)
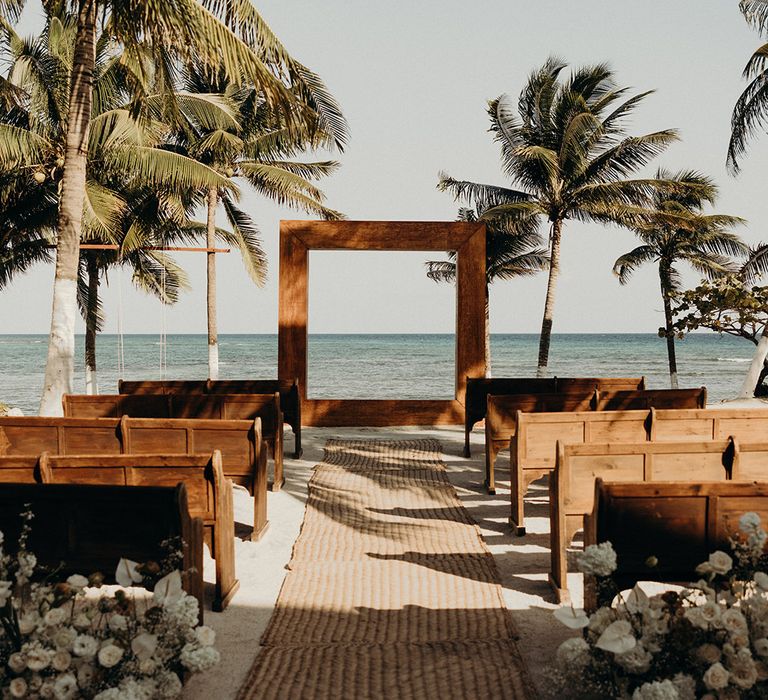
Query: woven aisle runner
(391, 591)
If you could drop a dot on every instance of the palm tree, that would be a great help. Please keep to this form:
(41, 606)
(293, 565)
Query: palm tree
(513, 248)
(226, 34)
(257, 146)
(676, 230)
(118, 199)
(565, 147)
(751, 108)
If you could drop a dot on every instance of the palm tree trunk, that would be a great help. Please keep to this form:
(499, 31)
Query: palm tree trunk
(669, 334)
(549, 303)
(487, 333)
(59, 368)
(756, 367)
(91, 320)
(213, 341)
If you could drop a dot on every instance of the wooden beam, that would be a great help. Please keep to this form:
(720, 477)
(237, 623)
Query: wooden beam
(179, 249)
(297, 238)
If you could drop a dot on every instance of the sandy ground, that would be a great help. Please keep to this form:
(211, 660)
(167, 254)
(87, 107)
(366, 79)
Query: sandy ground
(523, 562)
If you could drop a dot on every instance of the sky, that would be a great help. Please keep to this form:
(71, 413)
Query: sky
(413, 79)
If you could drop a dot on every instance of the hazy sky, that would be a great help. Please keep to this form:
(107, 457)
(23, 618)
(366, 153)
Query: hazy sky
(413, 79)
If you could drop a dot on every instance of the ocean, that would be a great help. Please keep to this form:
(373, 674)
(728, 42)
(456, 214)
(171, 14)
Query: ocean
(406, 366)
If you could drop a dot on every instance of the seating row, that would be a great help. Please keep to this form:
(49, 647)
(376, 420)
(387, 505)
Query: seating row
(208, 497)
(502, 411)
(290, 396)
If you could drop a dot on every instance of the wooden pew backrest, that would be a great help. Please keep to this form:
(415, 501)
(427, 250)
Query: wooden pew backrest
(209, 495)
(613, 400)
(678, 523)
(572, 484)
(89, 528)
(290, 395)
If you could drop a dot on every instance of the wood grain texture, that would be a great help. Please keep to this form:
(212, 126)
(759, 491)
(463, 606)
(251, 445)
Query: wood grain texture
(209, 494)
(297, 238)
(89, 528)
(290, 395)
(681, 524)
(572, 484)
(240, 442)
(190, 406)
(381, 412)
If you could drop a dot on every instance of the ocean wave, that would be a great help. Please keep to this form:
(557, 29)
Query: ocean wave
(734, 359)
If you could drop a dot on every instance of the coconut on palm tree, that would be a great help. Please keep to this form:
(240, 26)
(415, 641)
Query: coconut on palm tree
(566, 150)
(513, 248)
(675, 229)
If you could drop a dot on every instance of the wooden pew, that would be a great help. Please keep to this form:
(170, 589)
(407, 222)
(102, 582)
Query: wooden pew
(500, 425)
(680, 524)
(197, 406)
(501, 419)
(571, 488)
(532, 448)
(479, 388)
(88, 529)
(290, 396)
(209, 494)
(244, 455)
(612, 400)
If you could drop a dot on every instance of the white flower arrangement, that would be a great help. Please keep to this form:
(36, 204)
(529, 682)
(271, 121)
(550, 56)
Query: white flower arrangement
(63, 640)
(709, 640)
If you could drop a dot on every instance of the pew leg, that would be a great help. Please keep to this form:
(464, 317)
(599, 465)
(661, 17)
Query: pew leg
(565, 526)
(192, 574)
(260, 521)
(224, 539)
(466, 452)
(297, 451)
(517, 514)
(277, 456)
(490, 470)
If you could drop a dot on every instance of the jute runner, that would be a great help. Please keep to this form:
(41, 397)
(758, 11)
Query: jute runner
(391, 591)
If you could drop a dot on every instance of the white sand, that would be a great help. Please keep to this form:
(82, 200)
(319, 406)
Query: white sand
(523, 562)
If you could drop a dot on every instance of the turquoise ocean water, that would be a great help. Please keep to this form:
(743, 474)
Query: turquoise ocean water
(383, 366)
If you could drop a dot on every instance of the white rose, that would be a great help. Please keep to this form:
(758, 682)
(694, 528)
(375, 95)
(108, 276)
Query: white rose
(38, 658)
(761, 646)
(110, 655)
(205, 635)
(29, 622)
(720, 562)
(82, 621)
(77, 582)
(748, 522)
(118, 623)
(761, 580)
(656, 690)
(65, 687)
(85, 674)
(147, 667)
(597, 559)
(733, 621)
(61, 660)
(17, 662)
(55, 616)
(64, 638)
(85, 646)
(617, 637)
(573, 652)
(18, 688)
(716, 677)
(571, 617)
(600, 619)
(636, 660)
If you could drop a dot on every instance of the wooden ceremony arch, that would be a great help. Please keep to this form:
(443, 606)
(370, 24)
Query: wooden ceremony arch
(297, 238)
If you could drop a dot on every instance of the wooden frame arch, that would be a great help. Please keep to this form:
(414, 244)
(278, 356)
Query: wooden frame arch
(297, 238)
